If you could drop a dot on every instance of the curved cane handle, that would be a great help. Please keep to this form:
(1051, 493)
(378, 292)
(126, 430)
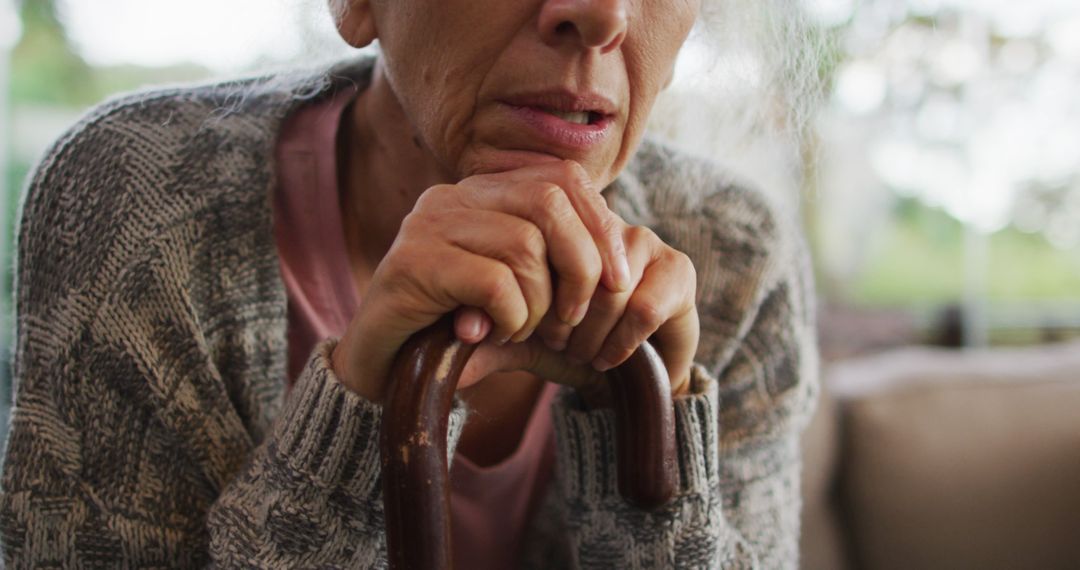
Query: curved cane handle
(419, 398)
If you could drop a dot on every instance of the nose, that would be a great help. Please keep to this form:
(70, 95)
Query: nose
(594, 24)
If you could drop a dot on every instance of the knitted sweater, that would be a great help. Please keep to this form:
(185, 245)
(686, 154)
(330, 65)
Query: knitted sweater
(152, 427)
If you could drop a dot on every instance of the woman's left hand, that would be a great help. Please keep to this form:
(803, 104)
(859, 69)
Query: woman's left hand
(659, 307)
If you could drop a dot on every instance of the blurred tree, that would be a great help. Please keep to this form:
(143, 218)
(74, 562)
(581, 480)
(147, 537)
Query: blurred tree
(44, 68)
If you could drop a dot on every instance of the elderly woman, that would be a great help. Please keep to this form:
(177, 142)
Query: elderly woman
(213, 282)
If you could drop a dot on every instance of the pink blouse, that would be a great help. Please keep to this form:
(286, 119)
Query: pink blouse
(490, 506)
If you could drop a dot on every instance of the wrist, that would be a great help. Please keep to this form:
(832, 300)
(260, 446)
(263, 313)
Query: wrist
(348, 378)
(596, 395)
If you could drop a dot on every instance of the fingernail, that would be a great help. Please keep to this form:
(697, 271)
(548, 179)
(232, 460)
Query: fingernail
(472, 327)
(622, 273)
(524, 336)
(601, 365)
(502, 341)
(577, 314)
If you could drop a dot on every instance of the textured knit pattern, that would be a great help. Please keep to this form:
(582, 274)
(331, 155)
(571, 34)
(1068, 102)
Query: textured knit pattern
(151, 424)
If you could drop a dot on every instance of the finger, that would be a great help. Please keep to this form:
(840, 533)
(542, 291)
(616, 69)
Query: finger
(552, 366)
(479, 281)
(571, 249)
(604, 226)
(517, 243)
(414, 295)
(677, 341)
(531, 356)
(471, 325)
(490, 358)
(664, 297)
(554, 332)
(605, 310)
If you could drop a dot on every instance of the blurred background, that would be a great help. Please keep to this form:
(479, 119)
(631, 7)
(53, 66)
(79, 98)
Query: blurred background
(938, 176)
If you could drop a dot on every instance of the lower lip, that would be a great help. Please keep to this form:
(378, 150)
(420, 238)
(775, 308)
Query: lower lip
(563, 133)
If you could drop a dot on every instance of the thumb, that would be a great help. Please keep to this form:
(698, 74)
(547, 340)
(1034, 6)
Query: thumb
(471, 324)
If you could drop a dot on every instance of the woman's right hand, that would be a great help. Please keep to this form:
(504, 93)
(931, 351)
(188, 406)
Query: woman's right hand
(486, 244)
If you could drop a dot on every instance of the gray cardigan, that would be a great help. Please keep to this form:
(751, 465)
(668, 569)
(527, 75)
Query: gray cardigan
(152, 427)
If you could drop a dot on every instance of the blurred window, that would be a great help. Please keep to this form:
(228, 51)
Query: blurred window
(947, 186)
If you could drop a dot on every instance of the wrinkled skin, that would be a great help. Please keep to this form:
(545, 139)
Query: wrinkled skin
(454, 201)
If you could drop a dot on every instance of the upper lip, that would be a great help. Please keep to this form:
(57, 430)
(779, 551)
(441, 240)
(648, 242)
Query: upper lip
(564, 101)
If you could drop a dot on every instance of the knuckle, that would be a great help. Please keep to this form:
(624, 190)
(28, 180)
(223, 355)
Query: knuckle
(553, 201)
(685, 264)
(640, 235)
(499, 288)
(418, 223)
(680, 265)
(502, 295)
(410, 221)
(646, 314)
(574, 172)
(432, 196)
(530, 246)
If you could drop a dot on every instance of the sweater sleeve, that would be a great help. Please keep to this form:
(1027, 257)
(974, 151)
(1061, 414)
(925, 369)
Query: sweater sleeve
(132, 491)
(737, 433)
(148, 427)
(311, 495)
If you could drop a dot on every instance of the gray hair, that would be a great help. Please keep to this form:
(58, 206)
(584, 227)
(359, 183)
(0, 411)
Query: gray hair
(752, 98)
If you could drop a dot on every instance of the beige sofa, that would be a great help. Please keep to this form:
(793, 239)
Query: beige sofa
(925, 458)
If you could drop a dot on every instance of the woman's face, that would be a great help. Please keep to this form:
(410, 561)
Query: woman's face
(493, 85)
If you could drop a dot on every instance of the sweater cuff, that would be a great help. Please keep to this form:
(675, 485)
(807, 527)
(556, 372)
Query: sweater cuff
(587, 444)
(331, 434)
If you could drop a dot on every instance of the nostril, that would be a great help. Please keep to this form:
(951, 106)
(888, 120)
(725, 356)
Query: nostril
(592, 24)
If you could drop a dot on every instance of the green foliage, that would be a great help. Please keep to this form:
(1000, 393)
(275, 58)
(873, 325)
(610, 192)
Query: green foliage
(44, 69)
(920, 260)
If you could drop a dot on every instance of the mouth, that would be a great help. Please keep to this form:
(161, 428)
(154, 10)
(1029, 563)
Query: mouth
(584, 109)
(575, 117)
(561, 122)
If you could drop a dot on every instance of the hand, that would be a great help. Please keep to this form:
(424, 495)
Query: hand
(487, 242)
(660, 306)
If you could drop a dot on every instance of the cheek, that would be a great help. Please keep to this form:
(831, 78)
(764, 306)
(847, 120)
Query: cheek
(669, 25)
(656, 45)
(650, 54)
(437, 73)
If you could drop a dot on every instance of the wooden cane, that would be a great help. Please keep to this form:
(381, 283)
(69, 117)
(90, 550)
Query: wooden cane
(416, 496)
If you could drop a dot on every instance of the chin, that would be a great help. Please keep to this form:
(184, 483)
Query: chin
(506, 160)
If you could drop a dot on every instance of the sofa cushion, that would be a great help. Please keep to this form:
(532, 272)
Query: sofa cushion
(954, 466)
(822, 545)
